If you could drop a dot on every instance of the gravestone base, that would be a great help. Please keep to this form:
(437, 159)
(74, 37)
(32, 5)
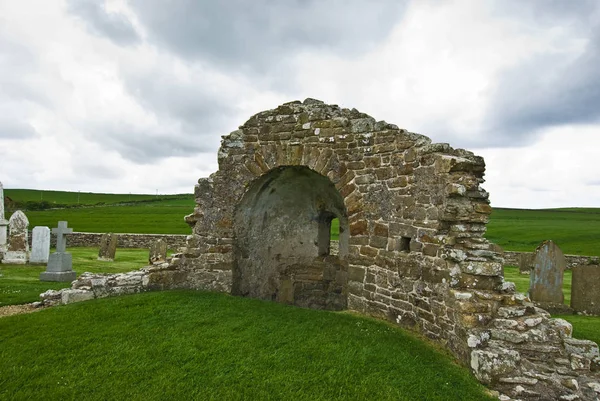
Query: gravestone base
(555, 308)
(15, 258)
(58, 276)
(60, 268)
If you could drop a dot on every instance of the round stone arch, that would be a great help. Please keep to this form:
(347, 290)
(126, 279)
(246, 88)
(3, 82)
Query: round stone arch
(281, 245)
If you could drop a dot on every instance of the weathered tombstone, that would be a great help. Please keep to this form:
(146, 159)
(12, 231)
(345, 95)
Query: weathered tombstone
(158, 252)
(18, 241)
(60, 263)
(525, 262)
(546, 279)
(585, 289)
(108, 247)
(40, 245)
(3, 224)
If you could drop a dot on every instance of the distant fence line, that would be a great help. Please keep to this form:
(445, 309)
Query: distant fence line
(513, 257)
(79, 239)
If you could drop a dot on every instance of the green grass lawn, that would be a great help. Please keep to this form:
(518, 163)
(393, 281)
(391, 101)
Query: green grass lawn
(21, 284)
(575, 230)
(184, 345)
(161, 217)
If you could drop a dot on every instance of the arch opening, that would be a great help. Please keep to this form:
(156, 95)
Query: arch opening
(282, 247)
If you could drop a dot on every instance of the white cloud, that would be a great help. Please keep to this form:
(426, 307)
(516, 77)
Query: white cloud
(106, 97)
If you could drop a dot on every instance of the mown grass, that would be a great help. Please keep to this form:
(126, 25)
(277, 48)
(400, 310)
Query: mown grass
(205, 346)
(82, 198)
(21, 284)
(575, 230)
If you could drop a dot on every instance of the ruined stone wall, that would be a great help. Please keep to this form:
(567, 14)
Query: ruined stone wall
(81, 239)
(411, 250)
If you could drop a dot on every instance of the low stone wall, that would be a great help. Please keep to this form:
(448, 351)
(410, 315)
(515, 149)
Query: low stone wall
(512, 258)
(79, 239)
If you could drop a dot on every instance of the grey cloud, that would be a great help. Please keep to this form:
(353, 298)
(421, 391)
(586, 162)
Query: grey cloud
(145, 146)
(258, 35)
(13, 129)
(549, 90)
(117, 27)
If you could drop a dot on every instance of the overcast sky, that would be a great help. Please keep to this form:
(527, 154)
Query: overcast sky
(133, 95)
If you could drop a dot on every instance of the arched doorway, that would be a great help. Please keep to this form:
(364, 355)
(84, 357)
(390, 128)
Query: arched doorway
(282, 240)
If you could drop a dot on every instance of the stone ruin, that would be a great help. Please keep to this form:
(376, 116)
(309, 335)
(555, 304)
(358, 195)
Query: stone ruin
(412, 218)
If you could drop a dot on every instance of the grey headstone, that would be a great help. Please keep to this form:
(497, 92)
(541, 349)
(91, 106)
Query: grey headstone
(525, 262)
(585, 289)
(158, 252)
(40, 245)
(60, 263)
(546, 279)
(3, 225)
(108, 247)
(18, 241)
(1, 202)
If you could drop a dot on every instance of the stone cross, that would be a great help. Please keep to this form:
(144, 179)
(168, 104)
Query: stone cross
(61, 235)
(546, 279)
(60, 263)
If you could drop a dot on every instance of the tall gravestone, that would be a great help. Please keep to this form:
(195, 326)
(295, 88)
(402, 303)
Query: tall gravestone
(108, 247)
(585, 289)
(546, 279)
(3, 225)
(525, 263)
(60, 263)
(18, 241)
(158, 252)
(40, 245)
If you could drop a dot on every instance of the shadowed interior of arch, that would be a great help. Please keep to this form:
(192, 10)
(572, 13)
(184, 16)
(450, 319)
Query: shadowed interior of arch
(282, 244)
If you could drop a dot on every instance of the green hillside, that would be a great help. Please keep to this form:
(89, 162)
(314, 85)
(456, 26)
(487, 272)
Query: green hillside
(575, 230)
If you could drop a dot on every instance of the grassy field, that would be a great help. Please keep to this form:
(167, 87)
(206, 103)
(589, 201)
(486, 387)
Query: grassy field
(82, 198)
(21, 284)
(193, 345)
(575, 230)
(161, 217)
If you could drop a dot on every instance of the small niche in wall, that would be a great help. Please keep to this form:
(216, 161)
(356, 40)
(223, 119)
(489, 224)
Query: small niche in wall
(404, 244)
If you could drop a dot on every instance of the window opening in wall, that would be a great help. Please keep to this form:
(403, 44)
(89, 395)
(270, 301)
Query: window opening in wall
(325, 232)
(404, 244)
(334, 236)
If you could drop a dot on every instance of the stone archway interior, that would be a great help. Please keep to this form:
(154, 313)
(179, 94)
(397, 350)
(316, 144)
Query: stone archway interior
(282, 229)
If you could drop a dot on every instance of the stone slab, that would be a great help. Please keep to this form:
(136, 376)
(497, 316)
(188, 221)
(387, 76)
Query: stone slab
(15, 258)
(60, 262)
(585, 289)
(40, 245)
(58, 276)
(108, 247)
(546, 279)
(158, 252)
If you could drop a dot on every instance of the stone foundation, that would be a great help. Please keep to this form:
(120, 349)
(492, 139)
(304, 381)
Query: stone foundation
(412, 247)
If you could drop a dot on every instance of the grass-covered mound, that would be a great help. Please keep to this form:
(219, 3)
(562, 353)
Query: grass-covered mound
(193, 345)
